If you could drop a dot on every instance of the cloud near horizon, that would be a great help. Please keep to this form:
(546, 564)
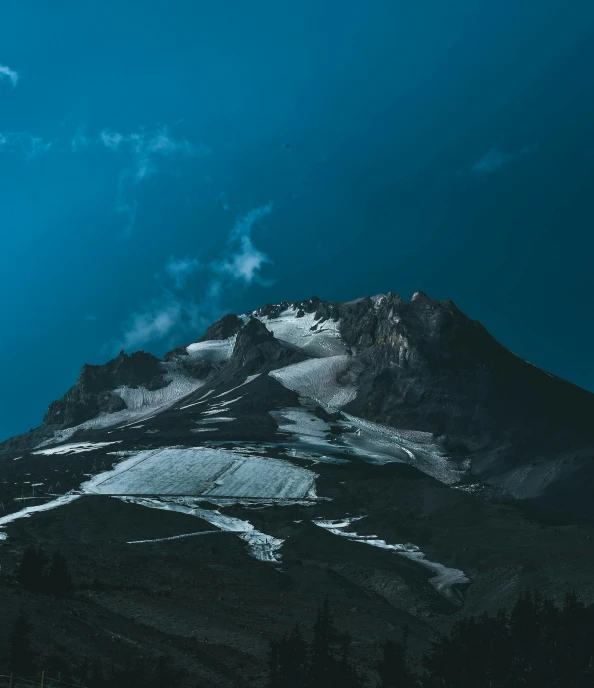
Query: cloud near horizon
(10, 74)
(170, 314)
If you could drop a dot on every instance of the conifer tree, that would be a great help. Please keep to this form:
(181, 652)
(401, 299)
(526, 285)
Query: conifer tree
(393, 668)
(21, 660)
(32, 569)
(59, 578)
(320, 670)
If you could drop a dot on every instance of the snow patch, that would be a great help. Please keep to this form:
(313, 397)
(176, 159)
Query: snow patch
(26, 512)
(217, 419)
(173, 537)
(260, 546)
(247, 381)
(213, 351)
(141, 403)
(75, 448)
(324, 340)
(443, 581)
(325, 380)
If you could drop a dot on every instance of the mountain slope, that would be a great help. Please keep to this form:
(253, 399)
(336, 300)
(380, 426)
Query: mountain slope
(391, 454)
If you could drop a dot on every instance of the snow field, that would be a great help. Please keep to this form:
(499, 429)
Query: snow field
(325, 340)
(204, 471)
(318, 379)
(213, 351)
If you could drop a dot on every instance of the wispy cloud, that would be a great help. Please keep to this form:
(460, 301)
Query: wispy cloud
(172, 314)
(179, 269)
(80, 140)
(243, 261)
(147, 146)
(152, 323)
(496, 160)
(10, 74)
(30, 146)
(145, 150)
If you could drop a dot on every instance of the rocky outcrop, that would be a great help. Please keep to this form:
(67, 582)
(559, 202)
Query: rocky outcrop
(225, 327)
(93, 392)
(257, 351)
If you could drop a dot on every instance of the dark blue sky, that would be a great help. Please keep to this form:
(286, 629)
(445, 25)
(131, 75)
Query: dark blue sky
(146, 185)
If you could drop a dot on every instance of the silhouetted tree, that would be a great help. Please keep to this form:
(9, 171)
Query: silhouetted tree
(535, 645)
(21, 659)
(32, 569)
(294, 663)
(59, 581)
(273, 651)
(322, 661)
(393, 669)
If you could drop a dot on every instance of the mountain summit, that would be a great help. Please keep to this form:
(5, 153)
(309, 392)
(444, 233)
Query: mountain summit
(414, 366)
(389, 453)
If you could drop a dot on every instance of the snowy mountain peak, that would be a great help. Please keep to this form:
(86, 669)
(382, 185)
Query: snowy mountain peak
(420, 366)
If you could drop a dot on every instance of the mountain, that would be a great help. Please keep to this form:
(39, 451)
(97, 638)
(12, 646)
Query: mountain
(389, 453)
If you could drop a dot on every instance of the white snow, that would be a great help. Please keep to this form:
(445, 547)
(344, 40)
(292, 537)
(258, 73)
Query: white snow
(216, 419)
(382, 443)
(195, 403)
(173, 537)
(140, 399)
(328, 381)
(304, 426)
(213, 351)
(246, 382)
(26, 512)
(372, 442)
(325, 340)
(204, 471)
(443, 580)
(260, 546)
(75, 448)
(141, 403)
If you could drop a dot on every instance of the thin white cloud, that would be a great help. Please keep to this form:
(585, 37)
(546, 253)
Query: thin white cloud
(30, 146)
(10, 74)
(79, 140)
(495, 160)
(154, 323)
(146, 146)
(181, 269)
(145, 150)
(244, 261)
(172, 315)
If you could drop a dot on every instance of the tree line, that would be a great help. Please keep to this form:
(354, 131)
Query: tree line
(536, 644)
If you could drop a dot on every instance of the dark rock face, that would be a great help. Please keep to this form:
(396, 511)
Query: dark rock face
(257, 351)
(92, 394)
(426, 366)
(224, 328)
